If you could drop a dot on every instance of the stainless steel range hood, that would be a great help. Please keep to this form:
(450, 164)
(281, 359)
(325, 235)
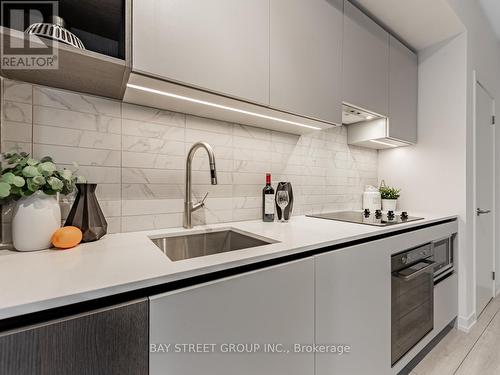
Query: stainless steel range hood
(354, 115)
(368, 129)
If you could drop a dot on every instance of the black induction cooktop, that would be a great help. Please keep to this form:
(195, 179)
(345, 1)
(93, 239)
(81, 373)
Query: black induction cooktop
(377, 218)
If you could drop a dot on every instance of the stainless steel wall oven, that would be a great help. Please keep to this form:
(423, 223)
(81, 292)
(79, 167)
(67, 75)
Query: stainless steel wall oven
(412, 310)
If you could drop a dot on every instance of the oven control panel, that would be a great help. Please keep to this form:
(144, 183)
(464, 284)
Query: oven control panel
(408, 257)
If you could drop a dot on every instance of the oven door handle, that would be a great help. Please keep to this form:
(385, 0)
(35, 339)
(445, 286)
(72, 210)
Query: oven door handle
(416, 273)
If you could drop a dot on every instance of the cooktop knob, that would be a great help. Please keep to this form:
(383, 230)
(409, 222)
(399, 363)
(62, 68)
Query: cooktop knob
(367, 212)
(404, 215)
(390, 215)
(378, 214)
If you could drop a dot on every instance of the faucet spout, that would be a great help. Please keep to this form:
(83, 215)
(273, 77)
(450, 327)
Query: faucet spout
(213, 174)
(189, 207)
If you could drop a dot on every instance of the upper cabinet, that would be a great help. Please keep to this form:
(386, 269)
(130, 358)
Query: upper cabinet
(365, 81)
(213, 59)
(218, 45)
(306, 57)
(284, 65)
(103, 26)
(403, 92)
(380, 77)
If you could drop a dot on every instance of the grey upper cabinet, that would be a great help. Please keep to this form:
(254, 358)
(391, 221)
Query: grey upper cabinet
(306, 57)
(218, 45)
(365, 81)
(108, 341)
(403, 92)
(271, 305)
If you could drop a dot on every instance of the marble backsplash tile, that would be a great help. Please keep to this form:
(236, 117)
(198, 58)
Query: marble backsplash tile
(137, 156)
(75, 102)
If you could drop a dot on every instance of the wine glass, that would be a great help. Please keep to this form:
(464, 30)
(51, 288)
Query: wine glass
(282, 200)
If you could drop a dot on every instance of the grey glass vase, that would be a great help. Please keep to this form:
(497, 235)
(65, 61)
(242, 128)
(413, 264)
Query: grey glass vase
(86, 214)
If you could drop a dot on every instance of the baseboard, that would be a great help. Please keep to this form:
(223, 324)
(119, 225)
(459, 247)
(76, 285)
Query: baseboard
(465, 324)
(408, 369)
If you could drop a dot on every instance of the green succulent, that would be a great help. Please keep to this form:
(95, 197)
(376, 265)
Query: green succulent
(24, 176)
(387, 192)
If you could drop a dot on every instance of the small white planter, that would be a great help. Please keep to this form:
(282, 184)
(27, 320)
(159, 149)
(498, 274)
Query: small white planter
(34, 220)
(389, 204)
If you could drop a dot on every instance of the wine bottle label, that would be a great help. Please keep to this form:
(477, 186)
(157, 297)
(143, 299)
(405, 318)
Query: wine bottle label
(269, 204)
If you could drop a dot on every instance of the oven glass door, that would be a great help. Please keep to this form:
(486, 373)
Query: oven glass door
(412, 314)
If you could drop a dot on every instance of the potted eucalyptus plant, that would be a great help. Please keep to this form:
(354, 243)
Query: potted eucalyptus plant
(389, 197)
(34, 185)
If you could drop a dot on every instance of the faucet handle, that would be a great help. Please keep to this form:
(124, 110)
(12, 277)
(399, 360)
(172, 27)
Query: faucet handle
(200, 204)
(204, 198)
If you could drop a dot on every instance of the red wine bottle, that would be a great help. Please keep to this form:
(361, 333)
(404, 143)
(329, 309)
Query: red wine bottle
(268, 200)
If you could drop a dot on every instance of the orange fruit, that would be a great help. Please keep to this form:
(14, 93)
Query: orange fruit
(67, 237)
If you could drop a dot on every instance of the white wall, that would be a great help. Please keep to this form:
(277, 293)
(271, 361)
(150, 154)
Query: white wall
(441, 165)
(483, 56)
(432, 173)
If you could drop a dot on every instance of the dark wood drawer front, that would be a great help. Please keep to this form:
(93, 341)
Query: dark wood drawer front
(110, 341)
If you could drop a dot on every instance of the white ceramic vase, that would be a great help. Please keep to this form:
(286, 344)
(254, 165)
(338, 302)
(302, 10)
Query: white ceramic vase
(34, 220)
(389, 204)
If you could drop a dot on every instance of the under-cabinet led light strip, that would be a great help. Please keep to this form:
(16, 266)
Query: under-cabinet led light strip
(383, 143)
(192, 100)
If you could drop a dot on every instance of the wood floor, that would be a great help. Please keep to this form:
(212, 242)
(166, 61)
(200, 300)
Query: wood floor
(476, 352)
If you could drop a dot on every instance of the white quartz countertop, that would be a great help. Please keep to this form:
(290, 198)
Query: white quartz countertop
(36, 281)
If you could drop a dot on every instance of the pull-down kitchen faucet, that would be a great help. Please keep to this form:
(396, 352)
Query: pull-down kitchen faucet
(189, 207)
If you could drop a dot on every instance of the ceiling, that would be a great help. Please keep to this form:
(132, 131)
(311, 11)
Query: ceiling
(492, 10)
(419, 23)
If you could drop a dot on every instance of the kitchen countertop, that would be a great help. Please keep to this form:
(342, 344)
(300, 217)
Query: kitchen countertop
(36, 281)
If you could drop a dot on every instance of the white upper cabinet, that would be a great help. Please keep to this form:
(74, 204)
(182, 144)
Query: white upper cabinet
(217, 45)
(306, 57)
(365, 81)
(285, 65)
(403, 92)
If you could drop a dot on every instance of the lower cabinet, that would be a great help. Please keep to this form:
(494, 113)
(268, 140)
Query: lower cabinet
(353, 308)
(111, 341)
(272, 306)
(327, 314)
(445, 302)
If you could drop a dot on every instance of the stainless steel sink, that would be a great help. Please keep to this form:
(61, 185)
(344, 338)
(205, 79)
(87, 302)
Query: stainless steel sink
(179, 247)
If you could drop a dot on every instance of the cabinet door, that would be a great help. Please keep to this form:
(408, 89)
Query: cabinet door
(306, 57)
(110, 341)
(274, 305)
(218, 45)
(403, 92)
(353, 307)
(366, 62)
